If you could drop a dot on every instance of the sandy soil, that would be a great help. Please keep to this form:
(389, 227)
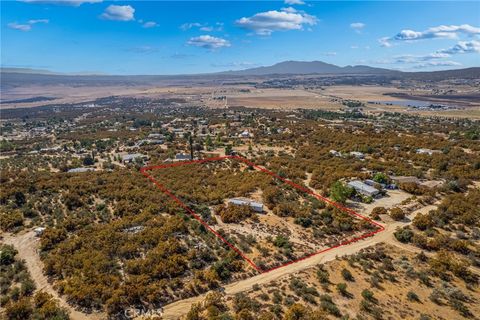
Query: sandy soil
(394, 198)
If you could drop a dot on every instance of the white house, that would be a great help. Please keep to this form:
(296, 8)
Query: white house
(79, 170)
(129, 158)
(357, 154)
(427, 151)
(256, 206)
(245, 134)
(363, 188)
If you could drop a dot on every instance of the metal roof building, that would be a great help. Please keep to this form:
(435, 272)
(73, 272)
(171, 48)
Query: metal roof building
(363, 188)
(78, 170)
(132, 157)
(256, 206)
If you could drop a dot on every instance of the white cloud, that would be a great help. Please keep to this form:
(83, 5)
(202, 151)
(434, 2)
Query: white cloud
(208, 42)
(33, 21)
(463, 47)
(329, 54)
(21, 27)
(264, 23)
(410, 58)
(357, 26)
(150, 24)
(293, 2)
(26, 26)
(119, 13)
(74, 3)
(437, 64)
(190, 25)
(385, 42)
(289, 10)
(442, 31)
(202, 26)
(436, 59)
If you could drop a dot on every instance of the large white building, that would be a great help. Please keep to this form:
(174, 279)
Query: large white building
(363, 188)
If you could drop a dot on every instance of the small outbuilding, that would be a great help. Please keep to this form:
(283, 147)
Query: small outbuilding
(256, 206)
(358, 155)
(39, 231)
(183, 157)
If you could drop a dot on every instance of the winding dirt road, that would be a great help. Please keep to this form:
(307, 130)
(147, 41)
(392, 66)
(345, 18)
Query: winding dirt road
(27, 246)
(181, 307)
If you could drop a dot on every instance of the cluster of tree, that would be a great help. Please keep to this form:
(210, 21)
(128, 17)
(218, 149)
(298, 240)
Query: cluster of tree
(353, 104)
(142, 260)
(388, 153)
(455, 209)
(455, 225)
(233, 213)
(18, 299)
(339, 192)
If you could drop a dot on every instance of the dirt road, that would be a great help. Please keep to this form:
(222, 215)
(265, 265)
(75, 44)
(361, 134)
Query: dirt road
(180, 308)
(27, 245)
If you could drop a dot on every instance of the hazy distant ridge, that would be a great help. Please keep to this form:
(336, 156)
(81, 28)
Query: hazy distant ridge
(310, 67)
(12, 77)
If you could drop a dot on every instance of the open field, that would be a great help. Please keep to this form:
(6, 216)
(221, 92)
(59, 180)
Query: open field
(283, 99)
(212, 93)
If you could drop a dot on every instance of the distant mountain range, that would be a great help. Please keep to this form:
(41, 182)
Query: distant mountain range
(285, 68)
(309, 67)
(45, 72)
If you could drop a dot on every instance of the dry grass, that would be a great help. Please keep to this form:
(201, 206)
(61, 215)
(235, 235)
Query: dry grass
(391, 294)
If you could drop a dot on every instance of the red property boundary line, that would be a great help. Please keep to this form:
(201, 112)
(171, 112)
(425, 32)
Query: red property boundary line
(144, 171)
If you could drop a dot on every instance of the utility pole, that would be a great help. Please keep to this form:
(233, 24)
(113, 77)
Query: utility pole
(190, 140)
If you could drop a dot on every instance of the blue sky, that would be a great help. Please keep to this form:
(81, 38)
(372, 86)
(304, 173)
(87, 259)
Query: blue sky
(160, 37)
